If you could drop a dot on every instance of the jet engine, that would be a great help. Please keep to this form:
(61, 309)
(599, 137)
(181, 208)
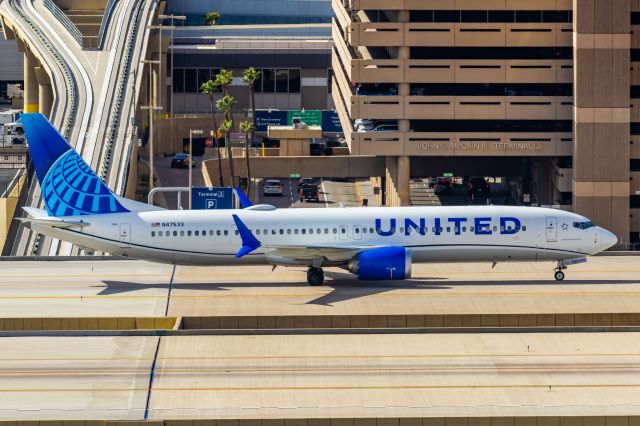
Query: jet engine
(381, 264)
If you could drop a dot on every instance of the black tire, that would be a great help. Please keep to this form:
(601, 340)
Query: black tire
(559, 275)
(315, 277)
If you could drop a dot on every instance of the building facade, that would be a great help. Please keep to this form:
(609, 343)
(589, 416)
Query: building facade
(543, 89)
(289, 41)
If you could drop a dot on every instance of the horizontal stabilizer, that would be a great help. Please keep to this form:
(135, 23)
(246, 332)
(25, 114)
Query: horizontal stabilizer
(55, 222)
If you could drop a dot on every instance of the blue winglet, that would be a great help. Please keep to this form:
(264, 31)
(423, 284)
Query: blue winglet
(244, 201)
(249, 241)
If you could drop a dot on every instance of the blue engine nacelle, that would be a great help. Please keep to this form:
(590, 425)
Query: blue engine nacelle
(386, 263)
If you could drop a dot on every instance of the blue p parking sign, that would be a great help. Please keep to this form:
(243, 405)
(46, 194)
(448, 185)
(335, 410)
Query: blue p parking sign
(211, 198)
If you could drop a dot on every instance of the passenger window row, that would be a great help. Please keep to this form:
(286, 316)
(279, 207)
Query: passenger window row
(319, 231)
(262, 231)
(197, 233)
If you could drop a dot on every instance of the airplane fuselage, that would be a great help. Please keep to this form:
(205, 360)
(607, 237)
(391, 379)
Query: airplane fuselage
(432, 234)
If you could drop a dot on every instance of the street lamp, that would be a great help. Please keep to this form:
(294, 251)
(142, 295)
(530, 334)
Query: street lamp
(151, 107)
(172, 28)
(191, 133)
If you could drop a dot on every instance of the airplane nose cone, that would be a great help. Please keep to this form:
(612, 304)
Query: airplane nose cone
(607, 239)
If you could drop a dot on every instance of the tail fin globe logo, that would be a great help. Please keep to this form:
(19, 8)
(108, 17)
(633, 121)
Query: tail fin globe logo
(69, 186)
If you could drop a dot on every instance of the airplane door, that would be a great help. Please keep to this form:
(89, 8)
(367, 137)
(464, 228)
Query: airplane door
(344, 232)
(125, 235)
(357, 232)
(552, 229)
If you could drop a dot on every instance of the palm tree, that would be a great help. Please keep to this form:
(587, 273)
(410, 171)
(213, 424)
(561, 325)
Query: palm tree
(246, 127)
(224, 80)
(212, 18)
(250, 76)
(210, 88)
(225, 105)
(225, 127)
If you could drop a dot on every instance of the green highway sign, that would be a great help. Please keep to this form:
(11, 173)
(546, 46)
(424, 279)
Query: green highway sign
(295, 175)
(310, 117)
(448, 174)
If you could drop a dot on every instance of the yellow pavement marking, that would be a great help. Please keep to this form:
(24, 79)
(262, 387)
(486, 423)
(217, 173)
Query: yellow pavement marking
(335, 388)
(389, 293)
(289, 357)
(231, 370)
(426, 274)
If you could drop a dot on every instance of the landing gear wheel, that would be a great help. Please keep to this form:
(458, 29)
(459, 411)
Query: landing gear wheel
(315, 276)
(559, 275)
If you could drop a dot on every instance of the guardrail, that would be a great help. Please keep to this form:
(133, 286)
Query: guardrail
(67, 125)
(70, 84)
(115, 115)
(64, 20)
(106, 18)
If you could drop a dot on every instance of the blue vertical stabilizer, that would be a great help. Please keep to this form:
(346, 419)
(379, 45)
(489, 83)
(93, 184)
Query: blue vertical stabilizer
(69, 186)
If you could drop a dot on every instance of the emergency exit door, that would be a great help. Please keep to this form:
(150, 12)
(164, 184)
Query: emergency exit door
(552, 229)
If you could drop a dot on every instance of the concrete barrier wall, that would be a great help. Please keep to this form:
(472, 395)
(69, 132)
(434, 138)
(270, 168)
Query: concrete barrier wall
(321, 322)
(408, 321)
(130, 323)
(391, 421)
(81, 4)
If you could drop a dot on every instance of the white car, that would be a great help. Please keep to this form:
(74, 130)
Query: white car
(272, 187)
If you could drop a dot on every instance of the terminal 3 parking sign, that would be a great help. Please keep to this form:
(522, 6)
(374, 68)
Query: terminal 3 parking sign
(211, 198)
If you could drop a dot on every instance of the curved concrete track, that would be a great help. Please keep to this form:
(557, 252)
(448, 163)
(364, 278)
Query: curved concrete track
(95, 92)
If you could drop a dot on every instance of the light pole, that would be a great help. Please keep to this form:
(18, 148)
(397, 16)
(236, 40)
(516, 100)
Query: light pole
(191, 133)
(173, 18)
(151, 107)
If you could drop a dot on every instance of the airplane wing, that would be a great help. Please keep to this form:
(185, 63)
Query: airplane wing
(334, 253)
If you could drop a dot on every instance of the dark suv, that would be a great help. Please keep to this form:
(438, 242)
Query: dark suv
(309, 192)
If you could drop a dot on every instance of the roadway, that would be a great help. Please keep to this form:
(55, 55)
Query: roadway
(113, 288)
(320, 376)
(332, 194)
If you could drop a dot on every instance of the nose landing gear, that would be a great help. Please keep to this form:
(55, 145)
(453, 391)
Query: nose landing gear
(559, 275)
(563, 264)
(315, 276)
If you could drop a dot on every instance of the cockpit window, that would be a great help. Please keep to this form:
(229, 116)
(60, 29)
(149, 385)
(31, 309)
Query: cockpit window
(583, 225)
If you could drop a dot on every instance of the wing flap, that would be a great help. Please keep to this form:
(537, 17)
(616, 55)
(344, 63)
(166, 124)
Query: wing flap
(307, 252)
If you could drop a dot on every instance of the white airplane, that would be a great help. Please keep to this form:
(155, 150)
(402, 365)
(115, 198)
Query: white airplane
(372, 243)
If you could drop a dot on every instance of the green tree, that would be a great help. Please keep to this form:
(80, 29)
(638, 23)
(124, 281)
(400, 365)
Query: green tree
(210, 88)
(226, 127)
(212, 18)
(246, 127)
(250, 76)
(224, 80)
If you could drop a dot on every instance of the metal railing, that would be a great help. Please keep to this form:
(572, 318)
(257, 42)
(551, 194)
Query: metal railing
(106, 18)
(64, 20)
(69, 117)
(115, 115)
(67, 126)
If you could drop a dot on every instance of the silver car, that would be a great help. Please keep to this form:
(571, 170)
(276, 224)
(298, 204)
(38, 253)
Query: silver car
(272, 187)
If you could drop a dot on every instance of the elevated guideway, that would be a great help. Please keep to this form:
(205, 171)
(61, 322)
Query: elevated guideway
(93, 90)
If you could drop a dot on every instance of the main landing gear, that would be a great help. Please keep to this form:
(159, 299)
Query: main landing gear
(315, 276)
